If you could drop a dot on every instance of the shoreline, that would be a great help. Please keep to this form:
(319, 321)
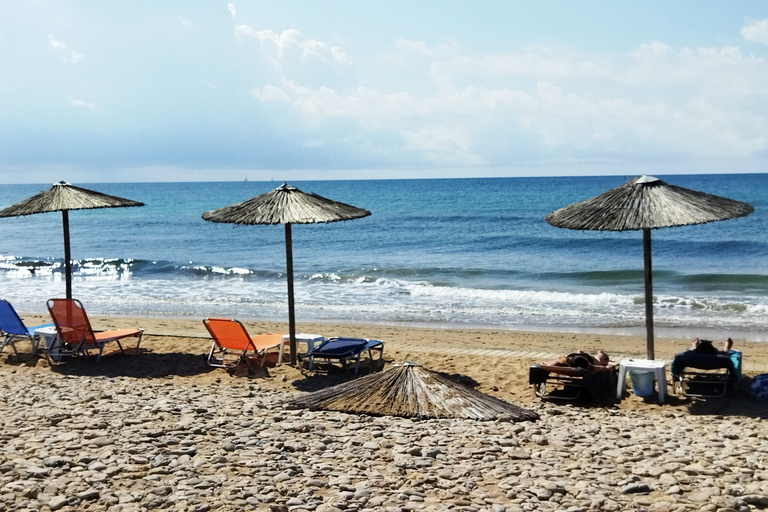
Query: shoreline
(673, 333)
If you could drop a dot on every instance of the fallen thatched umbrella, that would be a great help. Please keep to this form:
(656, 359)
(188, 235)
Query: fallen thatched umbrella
(411, 391)
(647, 203)
(62, 197)
(286, 205)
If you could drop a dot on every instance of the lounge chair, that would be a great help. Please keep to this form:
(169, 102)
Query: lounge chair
(578, 378)
(75, 335)
(702, 375)
(232, 343)
(344, 350)
(12, 328)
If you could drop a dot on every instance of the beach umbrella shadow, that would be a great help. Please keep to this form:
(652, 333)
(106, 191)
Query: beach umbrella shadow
(325, 375)
(286, 205)
(647, 203)
(63, 197)
(409, 390)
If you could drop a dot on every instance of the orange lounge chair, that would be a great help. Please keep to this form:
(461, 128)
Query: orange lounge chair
(74, 331)
(232, 343)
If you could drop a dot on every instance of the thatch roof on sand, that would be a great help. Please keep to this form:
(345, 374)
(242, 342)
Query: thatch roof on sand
(646, 203)
(64, 196)
(285, 205)
(410, 390)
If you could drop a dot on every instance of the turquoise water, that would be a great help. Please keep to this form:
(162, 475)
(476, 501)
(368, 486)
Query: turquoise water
(461, 252)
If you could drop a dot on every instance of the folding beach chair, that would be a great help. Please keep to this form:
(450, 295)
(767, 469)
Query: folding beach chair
(232, 343)
(581, 379)
(702, 375)
(12, 328)
(344, 350)
(74, 331)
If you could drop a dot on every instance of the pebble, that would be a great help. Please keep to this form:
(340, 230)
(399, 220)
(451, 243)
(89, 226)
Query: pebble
(122, 444)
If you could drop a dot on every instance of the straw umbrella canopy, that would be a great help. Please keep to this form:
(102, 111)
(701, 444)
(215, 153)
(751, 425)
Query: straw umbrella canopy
(62, 197)
(286, 205)
(647, 203)
(409, 390)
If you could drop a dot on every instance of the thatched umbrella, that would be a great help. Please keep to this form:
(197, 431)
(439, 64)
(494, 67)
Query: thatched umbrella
(412, 391)
(286, 205)
(62, 197)
(647, 203)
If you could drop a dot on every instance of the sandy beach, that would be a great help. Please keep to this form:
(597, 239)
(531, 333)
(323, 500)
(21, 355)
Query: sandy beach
(172, 358)
(498, 360)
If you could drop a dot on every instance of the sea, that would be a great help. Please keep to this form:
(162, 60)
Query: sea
(468, 253)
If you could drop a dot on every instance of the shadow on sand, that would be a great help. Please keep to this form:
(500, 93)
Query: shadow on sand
(143, 365)
(327, 375)
(324, 377)
(736, 404)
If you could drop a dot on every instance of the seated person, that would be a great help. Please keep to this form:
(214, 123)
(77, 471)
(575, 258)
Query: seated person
(691, 357)
(706, 347)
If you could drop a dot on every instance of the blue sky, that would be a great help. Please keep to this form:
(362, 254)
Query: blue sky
(351, 89)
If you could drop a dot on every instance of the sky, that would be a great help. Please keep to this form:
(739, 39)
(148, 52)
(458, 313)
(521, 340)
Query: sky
(207, 90)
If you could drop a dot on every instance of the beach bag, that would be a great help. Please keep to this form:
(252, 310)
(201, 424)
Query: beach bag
(758, 389)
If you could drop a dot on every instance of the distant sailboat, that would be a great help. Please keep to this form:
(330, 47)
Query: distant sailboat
(246, 178)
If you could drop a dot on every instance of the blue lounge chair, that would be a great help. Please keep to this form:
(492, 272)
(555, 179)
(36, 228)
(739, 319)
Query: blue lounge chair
(702, 375)
(344, 350)
(13, 329)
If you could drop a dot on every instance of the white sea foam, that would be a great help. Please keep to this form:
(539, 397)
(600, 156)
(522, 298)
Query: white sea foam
(445, 292)
(379, 300)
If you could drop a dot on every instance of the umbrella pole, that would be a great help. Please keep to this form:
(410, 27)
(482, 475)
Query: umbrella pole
(648, 292)
(67, 257)
(291, 311)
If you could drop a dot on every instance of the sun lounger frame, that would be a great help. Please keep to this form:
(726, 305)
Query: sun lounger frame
(249, 346)
(692, 371)
(323, 353)
(13, 329)
(74, 313)
(599, 382)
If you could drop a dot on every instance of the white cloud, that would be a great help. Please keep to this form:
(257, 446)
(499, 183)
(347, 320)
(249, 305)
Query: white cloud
(420, 48)
(231, 9)
(756, 31)
(65, 54)
(656, 100)
(272, 94)
(186, 22)
(291, 39)
(443, 144)
(81, 104)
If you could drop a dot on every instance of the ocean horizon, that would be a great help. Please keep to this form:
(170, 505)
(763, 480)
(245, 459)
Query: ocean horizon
(473, 252)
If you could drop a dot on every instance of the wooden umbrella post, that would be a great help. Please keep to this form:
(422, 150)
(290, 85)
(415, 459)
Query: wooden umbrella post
(62, 197)
(67, 256)
(646, 203)
(291, 310)
(286, 205)
(648, 292)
